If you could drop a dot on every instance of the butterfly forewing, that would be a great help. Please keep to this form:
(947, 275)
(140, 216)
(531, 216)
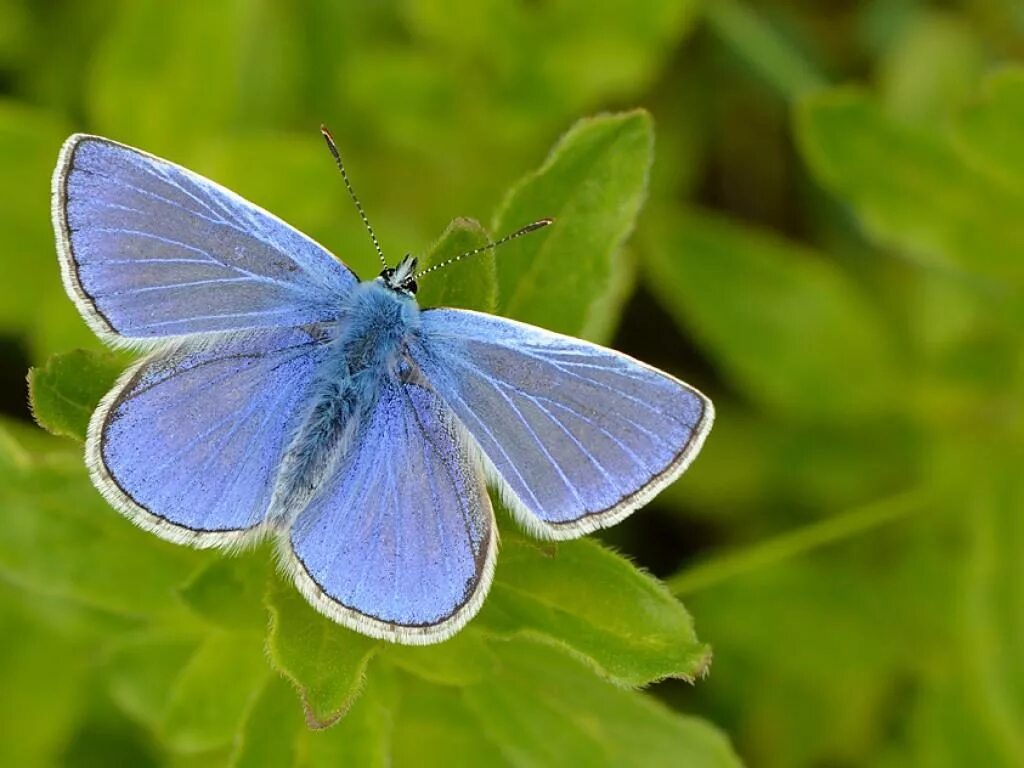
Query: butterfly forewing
(576, 435)
(150, 250)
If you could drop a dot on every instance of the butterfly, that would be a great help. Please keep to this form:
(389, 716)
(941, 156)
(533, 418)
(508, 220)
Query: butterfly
(280, 396)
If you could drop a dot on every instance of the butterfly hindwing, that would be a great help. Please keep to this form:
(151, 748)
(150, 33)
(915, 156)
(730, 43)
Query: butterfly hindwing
(400, 542)
(577, 435)
(150, 250)
(189, 441)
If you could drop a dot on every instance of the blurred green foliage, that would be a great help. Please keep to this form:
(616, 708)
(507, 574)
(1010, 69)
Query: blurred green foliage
(830, 245)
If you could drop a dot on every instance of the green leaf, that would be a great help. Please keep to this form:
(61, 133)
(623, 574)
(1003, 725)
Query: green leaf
(104, 736)
(326, 662)
(214, 690)
(991, 130)
(911, 188)
(365, 736)
(545, 708)
(276, 734)
(470, 284)
(585, 599)
(190, 687)
(61, 539)
(210, 758)
(593, 184)
(758, 304)
(816, 465)
(931, 67)
(272, 730)
(44, 672)
(824, 605)
(66, 390)
(141, 668)
(991, 635)
(229, 591)
(607, 307)
(461, 660)
(542, 65)
(434, 727)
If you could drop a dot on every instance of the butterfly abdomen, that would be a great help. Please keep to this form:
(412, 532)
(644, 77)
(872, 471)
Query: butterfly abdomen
(375, 324)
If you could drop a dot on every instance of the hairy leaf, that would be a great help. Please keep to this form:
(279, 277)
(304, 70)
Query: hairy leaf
(593, 184)
(229, 591)
(275, 732)
(62, 539)
(435, 727)
(468, 284)
(464, 659)
(324, 661)
(545, 707)
(583, 598)
(66, 390)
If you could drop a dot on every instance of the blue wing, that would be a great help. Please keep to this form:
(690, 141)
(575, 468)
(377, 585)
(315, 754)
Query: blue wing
(149, 250)
(400, 542)
(189, 441)
(577, 436)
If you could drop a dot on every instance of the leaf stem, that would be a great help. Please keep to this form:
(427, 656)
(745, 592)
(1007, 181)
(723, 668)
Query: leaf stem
(788, 545)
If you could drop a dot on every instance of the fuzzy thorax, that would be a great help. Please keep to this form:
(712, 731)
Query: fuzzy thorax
(375, 325)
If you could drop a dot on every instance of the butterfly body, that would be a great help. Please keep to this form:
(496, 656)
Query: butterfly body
(366, 347)
(281, 397)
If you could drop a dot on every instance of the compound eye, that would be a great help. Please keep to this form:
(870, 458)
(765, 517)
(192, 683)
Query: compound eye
(410, 286)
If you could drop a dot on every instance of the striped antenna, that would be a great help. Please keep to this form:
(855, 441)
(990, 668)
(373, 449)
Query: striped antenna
(348, 185)
(539, 224)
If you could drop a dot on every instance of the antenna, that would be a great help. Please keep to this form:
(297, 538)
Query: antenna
(539, 224)
(348, 185)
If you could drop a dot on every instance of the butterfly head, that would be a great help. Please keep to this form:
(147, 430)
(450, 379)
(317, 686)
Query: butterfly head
(401, 278)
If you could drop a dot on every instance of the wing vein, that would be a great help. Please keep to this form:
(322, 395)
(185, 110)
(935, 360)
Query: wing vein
(211, 258)
(224, 316)
(497, 444)
(283, 392)
(173, 286)
(255, 357)
(163, 175)
(593, 460)
(147, 193)
(604, 385)
(607, 433)
(540, 443)
(444, 464)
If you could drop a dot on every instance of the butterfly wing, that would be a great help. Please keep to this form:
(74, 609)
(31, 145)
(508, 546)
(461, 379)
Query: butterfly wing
(400, 542)
(576, 435)
(150, 250)
(189, 441)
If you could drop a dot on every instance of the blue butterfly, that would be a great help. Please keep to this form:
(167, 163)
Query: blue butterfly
(282, 396)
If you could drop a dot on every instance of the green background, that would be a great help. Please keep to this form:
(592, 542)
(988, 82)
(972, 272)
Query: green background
(812, 211)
